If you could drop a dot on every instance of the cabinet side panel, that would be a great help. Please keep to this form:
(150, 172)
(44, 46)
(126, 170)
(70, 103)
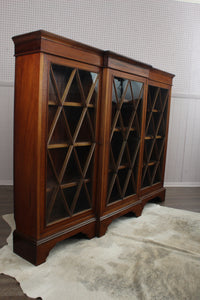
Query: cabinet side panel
(26, 143)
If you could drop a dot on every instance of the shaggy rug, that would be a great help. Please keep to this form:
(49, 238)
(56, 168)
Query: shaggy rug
(155, 256)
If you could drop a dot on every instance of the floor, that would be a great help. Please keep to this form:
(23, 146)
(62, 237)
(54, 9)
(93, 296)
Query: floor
(9, 287)
(181, 198)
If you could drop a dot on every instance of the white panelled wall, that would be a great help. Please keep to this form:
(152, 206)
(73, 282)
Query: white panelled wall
(183, 153)
(165, 34)
(6, 133)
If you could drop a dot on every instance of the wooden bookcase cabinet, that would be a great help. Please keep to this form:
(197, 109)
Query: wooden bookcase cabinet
(90, 138)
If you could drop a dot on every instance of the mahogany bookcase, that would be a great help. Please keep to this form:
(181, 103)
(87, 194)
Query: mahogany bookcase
(90, 139)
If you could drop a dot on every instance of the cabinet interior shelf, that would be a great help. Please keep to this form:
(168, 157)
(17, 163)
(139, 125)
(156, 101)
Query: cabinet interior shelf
(154, 110)
(151, 163)
(118, 129)
(121, 167)
(151, 137)
(78, 104)
(67, 184)
(65, 145)
(127, 101)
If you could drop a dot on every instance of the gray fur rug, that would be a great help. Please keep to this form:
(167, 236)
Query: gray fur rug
(155, 256)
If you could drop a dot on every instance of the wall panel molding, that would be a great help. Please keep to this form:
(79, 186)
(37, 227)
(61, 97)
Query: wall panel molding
(185, 96)
(6, 83)
(6, 182)
(181, 184)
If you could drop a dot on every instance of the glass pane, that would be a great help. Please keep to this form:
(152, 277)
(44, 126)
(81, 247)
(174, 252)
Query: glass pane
(61, 75)
(157, 105)
(82, 88)
(127, 98)
(71, 142)
(59, 210)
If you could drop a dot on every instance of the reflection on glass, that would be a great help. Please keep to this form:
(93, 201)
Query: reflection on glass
(128, 89)
(82, 82)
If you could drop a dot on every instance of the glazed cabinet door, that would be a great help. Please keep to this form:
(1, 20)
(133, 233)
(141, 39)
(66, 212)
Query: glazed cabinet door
(72, 97)
(155, 139)
(125, 137)
(122, 145)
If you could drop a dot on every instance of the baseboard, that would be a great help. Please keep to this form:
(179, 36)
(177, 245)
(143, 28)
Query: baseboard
(6, 182)
(182, 184)
(186, 96)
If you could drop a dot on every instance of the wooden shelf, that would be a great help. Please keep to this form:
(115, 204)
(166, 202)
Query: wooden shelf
(66, 145)
(151, 163)
(73, 183)
(77, 104)
(127, 101)
(118, 129)
(82, 144)
(73, 104)
(121, 167)
(151, 137)
(52, 103)
(56, 146)
(66, 185)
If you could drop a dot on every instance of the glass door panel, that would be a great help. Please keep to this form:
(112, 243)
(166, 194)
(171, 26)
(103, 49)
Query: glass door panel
(125, 136)
(155, 130)
(72, 99)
